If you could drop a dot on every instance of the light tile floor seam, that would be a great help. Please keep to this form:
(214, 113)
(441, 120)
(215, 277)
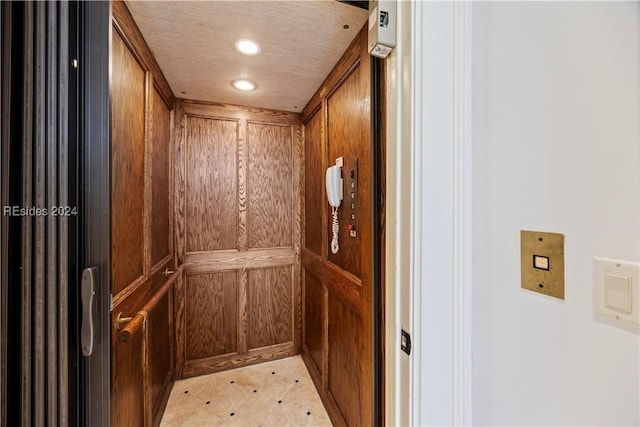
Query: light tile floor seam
(270, 394)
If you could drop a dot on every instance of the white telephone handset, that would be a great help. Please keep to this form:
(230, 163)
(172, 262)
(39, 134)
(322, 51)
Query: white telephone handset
(334, 195)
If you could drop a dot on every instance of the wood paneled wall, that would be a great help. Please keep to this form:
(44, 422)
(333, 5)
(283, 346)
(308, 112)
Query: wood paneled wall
(127, 174)
(337, 288)
(238, 223)
(141, 224)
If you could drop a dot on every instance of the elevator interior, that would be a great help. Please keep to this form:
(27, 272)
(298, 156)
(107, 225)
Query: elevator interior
(223, 249)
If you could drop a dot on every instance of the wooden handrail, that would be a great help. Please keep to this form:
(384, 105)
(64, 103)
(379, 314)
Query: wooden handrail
(151, 304)
(140, 317)
(133, 326)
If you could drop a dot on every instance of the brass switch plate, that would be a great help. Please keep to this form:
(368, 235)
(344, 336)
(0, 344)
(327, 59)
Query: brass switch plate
(542, 262)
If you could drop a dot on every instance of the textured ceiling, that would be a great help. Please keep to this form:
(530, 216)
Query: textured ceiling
(194, 44)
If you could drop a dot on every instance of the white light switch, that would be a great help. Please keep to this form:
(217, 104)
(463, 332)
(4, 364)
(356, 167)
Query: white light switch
(616, 292)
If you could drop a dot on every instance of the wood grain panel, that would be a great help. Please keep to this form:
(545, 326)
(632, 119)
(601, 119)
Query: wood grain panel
(160, 346)
(313, 326)
(259, 174)
(343, 102)
(348, 125)
(314, 194)
(128, 386)
(231, 260)
(242, 186)
(211, 314)
(211, 184)
(243, 310)
(134, 298)
(124, 23)
(298, 224)
(127, 166)
(345, 360)
(269, 185)
(160, 188)
(343, 284)
(155, 298)
(237, 112)
(180, 324)
(234, 360)
(141, 225)
(270, 307)
(350, 57)
(314, 264)
(180, 177)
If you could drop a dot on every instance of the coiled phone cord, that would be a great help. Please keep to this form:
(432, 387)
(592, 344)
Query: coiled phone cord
(335, 229)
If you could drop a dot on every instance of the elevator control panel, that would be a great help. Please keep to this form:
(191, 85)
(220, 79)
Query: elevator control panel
(542, 262)
(352, 196)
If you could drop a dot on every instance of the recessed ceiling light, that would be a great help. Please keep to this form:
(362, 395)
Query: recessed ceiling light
(248, 47)
(244, 85)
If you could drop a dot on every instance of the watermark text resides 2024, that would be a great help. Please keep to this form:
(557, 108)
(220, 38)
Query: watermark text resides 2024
(37, 211)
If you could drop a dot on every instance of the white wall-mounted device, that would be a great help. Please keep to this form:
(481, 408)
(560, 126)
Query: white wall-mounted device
(616, 293)
(333, 178)
(382, 27)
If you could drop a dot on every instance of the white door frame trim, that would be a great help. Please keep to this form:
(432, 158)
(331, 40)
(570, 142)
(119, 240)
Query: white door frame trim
(428, 213)
(399, 91)
(440, 223)
(463, 211)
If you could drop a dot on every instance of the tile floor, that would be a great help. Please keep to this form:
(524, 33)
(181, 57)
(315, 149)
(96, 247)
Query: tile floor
(278, 393)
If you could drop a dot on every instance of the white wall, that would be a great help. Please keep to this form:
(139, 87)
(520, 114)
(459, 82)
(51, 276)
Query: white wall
(555, 148)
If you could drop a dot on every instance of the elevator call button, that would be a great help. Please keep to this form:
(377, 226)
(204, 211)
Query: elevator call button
(541, 262)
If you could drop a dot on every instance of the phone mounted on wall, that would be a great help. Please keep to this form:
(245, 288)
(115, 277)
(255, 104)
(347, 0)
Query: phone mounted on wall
(334, 186)
(333, 180)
